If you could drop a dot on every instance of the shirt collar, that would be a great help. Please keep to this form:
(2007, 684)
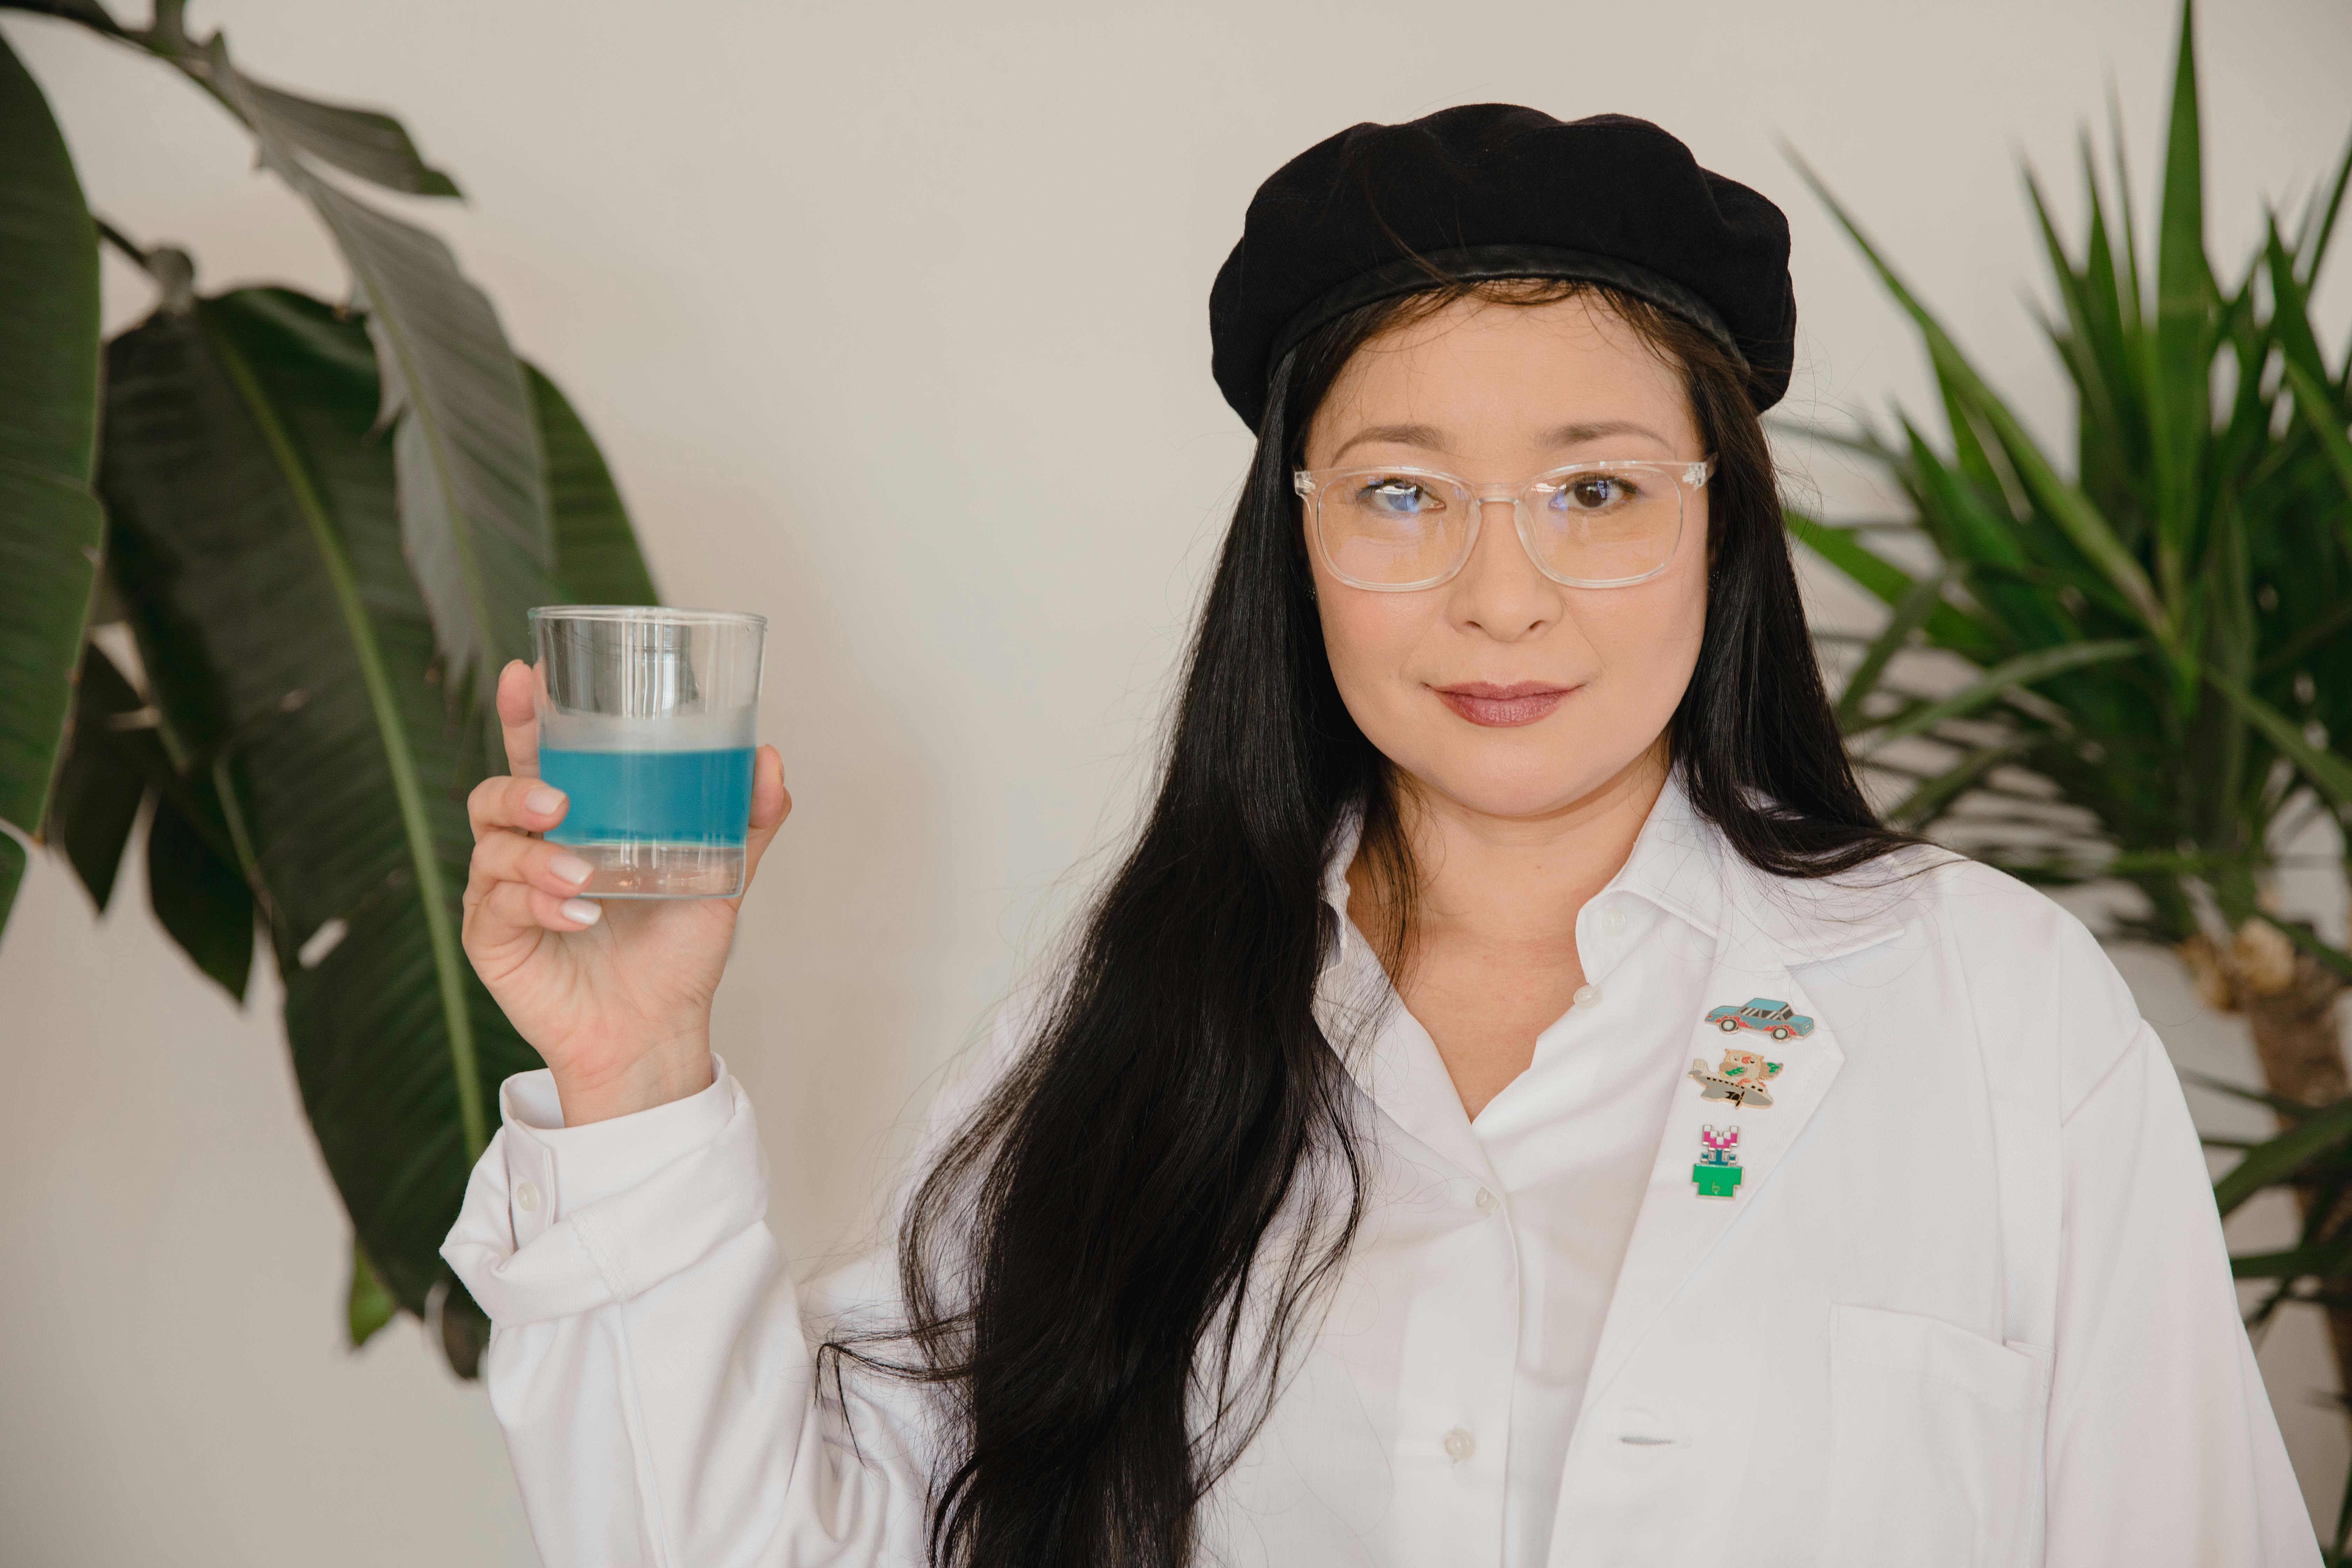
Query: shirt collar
(1682, 864)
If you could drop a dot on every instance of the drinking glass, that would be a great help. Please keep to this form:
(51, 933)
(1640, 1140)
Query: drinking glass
(646, 720)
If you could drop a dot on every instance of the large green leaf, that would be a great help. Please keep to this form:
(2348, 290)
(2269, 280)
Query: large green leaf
(196, 880)
(51, 525)
(597, 560)
(198, 883)
(362, 141)
(106, 774)
(367, 1305)
(471, 475)
(2183, 369)
(472, 491)
(259, 554)
(474, 514)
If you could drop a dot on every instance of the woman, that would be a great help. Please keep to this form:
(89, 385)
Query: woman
(1514, 1105)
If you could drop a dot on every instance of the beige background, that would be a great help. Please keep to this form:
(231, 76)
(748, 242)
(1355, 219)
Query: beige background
(891, 320)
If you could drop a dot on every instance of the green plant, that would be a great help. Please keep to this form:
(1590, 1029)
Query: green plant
(320, 529)
(2142, 672)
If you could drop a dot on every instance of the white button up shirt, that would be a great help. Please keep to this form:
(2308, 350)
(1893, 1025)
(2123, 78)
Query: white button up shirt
(1946, 1286)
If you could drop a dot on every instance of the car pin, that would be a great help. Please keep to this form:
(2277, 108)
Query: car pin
(1763, 1016)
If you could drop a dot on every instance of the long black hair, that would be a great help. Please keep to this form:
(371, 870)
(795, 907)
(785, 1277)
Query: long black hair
(1107, 1267)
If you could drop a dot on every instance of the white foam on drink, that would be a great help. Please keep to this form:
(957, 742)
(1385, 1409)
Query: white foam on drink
(673, 733)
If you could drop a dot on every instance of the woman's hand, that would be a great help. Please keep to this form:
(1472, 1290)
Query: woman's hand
(615, 996)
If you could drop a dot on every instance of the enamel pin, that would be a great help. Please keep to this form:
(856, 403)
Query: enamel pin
(1739, 1078)
(1717, 1172)
(1765, 1016)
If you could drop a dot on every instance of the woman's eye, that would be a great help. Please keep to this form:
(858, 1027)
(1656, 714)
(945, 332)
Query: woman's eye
(1593, 492)
(1396, 498)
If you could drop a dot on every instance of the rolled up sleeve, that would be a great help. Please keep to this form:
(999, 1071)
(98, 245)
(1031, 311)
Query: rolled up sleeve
(648, 1360)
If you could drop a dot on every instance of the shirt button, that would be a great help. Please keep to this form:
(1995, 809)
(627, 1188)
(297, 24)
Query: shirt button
(1611, 922)
(1460, 1444)
(1586, 995)
(527, 1197)
(1485, 1201)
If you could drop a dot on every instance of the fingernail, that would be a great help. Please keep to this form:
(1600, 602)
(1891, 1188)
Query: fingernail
(587, 912)
(543, 800)
(571, 867)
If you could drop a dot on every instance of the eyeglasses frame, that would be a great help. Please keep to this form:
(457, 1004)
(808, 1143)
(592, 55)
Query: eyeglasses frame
(1688, 477)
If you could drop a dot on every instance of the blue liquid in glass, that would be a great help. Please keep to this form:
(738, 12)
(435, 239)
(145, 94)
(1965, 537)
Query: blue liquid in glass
(666, 797)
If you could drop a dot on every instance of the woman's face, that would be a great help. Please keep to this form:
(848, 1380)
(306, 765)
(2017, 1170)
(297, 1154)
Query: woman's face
(1500, 690)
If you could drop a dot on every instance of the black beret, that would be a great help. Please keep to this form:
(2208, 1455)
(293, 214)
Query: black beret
(1493, 190)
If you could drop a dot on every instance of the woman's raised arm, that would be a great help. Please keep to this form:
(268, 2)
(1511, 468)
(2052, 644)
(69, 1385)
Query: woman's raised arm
(648, 1362)
(615, 997)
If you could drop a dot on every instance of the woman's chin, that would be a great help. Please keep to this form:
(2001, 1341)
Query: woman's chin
(1517, 793)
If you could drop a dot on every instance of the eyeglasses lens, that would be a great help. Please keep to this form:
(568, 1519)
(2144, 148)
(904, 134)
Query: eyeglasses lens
(1599, 524)
(1605, 525)
(1394, 529)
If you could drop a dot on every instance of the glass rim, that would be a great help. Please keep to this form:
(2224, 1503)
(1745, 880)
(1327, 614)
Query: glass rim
(652, 614)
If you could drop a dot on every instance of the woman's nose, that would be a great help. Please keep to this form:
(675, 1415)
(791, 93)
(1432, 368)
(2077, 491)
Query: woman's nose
(1500, 590)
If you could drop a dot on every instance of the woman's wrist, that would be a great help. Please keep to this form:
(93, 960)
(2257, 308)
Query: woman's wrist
(670, 1072)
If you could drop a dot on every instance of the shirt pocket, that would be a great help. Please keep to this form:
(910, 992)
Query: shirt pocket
(1931, 1444)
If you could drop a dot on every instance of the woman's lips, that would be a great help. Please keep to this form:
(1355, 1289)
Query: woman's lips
(1500, 707)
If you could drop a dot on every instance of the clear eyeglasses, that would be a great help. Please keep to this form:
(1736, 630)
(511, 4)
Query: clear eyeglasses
(1588, 526)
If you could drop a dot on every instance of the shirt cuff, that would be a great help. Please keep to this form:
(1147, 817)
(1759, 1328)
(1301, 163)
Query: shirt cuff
(568, 1168)
(643, 1198)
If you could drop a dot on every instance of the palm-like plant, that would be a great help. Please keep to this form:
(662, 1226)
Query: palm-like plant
(2142, 672)
(319, 527)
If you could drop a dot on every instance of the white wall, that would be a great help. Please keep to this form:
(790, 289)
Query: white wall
(826, 280)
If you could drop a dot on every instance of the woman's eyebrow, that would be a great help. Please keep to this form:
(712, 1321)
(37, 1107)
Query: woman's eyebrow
(1423, 435)
(1577, 433)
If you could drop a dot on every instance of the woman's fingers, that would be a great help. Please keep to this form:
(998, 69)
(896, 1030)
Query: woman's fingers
(505, 922)
(517, 799)
(771, 804)
(518, 804)
(517, 887)
(510, 857)
(519, 717)
(512, 908)
(564, 914)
